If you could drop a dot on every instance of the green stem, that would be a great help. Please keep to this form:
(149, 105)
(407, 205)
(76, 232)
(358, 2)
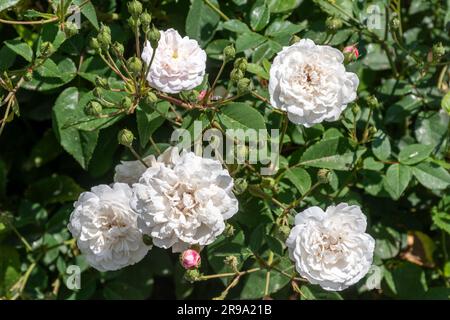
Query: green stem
(217, 10)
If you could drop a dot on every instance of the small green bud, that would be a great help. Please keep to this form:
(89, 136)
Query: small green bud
(125, 137)
(241, 64)
(229, 53)
(395, 23)
(148, 241)
(104, 37)
(243, 85)
(135, 8)
(28, 75)
(6, 218)
(153, 36)
(438, 50)
(372, 102)
(323, 176)
(97, 92)
(356, 109)
(294, 39)
(134, 23)
(101, 82)
(372, 130)
(240, 185)
(134, 65)
(118, 48)
(192, 275)
(126, 103)
(229, 230)
(146, 19)
(231, 261)
(268, 182)
(94, 44)
(46, 48)
(93, 108)
(282, 231)
(333, 24)
(70, 29)
(151, 98)
(236, 75)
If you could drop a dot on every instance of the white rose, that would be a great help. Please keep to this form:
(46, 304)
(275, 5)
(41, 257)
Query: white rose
(183, 200)
(179, 63)
(106, 228)
(129, 172)
(331, 248)
(310, 83)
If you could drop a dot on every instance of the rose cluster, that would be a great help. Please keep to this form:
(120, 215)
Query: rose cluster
(181, 201)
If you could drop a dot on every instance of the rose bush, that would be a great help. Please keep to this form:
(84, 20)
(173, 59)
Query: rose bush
(224, 149)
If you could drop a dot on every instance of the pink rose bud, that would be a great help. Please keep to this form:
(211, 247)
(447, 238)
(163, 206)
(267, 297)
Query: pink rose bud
(351, 53)
(201, 95)
(190, 259)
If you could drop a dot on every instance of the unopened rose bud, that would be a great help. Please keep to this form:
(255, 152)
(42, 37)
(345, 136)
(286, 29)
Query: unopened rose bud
(356, 109)
(231, 261)
(372, 102)
(101, 82)
(395, 23)
(125, 137)
(148, 241)
(153, 36)
(351, 53)
(104, 37)
(438, 50)
(240, 185)
(146, 19)
(229, 230)
(134, 23)
(241, 64)
(126, 103)
(93, 108)
(201, 95)
(134, 8)
(151, 98)
(6, 218)
(94, 44)
(243, 85)
(27, 76)
(192, 275)
(190, 259)
(70, 29)
(118, 48)
(97, 92)
(323, 175)
(46, 48)
(229, 53)
(333, 23)
(134, 65)
(268, 182)
(236, 75)
(294, 40)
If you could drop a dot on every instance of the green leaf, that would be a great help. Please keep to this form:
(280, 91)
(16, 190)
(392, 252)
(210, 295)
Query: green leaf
(414, 153)
(54, 189)
(431, 128)
(236, 26)
(66, 72)
(259, 17)
(148, 120)
(258, 70)
(431, 175)
(20, 48)
(281, 28)
(445, 103)
(397, 179)
(9, 269)
(339, 8)
(381, 146)
(80, 144)
(240, 115)
(5, 4)
(402, 109)
(408, 281)
(334, 154)
(88, 10)
(441, 214)
(249, 40)
(311, 292)
(278, 6)
(215, 48)
(300, 178)
(201, 21)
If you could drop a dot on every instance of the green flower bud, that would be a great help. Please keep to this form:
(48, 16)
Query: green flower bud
(240, 185)
(97, 92)
(46, 48)
(94, 44)
(126, 103)
(372, 102)
(333, 23)
(135, 8)
(323, 176)
(104, 37)
(268, 182)
(148, 241)
(241, 64)
(125, 137)
(236, 75)
(356, 109)
(372, 130)
(229, 230)
(146, 19)
(118, 48)
(231, 261)
(438, 50)
(134, 65)
(101, 82)
(153, 36)
(243, 85)
(229, 53)
(151, 98)
(395, 23)
(6, 218)
(70, 29)
(93, 108)
(192, 275)
(294, 40)
(27, 76)
(134, 23)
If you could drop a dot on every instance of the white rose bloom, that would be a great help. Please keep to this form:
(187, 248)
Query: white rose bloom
(331, 248)
(183, 200)
(179, 63)
(129, 172)
(106, 228)
(310, 83)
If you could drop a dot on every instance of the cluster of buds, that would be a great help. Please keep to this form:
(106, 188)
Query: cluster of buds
(237, 75)
(438, 51)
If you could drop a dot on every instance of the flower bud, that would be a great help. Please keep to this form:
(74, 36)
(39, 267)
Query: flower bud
(27, 76)
(231, 261)
(104, 37)
(236, 75)
(333, 23)
(134, 24)
(125, 137)
(192, 275)
(94, 44)
(351, 53)
(201, 95)
(438, 50)
(356, 109)
(229, 230)
(70, 29)
(241, 64)
(118, 48)
(323, 176)
(146, 19)
(46, 48)
(134, 8)
(93, 108)
(372, 102)
(134, 65)
(268, 182)
(126, 103)
(229, 53)
(240, 185)
(243, 85)
(153, 36)
(97, 92)
(6, 218)
(190, 259)
(294, 40)
(151, 98)
(395, 23)
(148, 241)
(101, 82)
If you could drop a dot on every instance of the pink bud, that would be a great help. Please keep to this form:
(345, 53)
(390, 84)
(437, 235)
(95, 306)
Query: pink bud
(190, 259)
(351, 51)
(201, 95)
